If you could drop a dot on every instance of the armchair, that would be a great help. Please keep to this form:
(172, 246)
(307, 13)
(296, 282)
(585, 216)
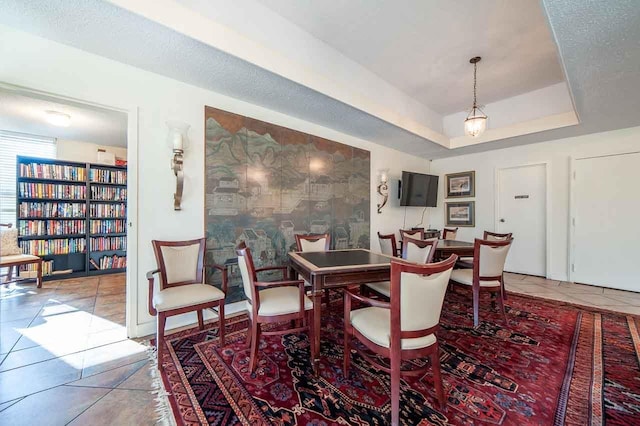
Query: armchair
(272, 301)
(180, 287)
(403, 328)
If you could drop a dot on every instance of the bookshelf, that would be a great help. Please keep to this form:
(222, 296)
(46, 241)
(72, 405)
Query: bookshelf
(73, 215)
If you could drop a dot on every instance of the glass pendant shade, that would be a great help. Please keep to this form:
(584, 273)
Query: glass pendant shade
(475, 124)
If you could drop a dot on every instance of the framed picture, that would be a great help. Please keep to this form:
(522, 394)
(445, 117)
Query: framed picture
(461, 213)
(461, 184)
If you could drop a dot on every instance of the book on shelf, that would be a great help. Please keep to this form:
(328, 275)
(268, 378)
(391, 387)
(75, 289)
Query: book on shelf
(108, 193)
(110, 262)
(36, 170)
(31, 270)
(118, 177)
(107, 226)
(52, 209)
(51, 190)
(45, 228)
(108, 210)
(55, 246)
(107, 243)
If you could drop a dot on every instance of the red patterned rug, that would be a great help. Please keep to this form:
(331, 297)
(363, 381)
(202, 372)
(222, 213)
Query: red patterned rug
(555, 364)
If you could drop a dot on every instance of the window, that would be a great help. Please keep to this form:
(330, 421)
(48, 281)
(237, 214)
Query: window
(13, 144)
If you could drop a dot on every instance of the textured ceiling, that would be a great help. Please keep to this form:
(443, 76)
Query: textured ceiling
(26, 114)
(598, 43)
(423, 47)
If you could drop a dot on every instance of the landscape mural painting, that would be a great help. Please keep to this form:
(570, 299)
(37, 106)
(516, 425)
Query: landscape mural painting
(265, 183)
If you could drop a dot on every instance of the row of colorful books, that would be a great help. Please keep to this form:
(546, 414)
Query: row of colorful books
(108, 193)
(47, 267)
(53, 171)
(108, 243)
(50, 190)
(108, 210)
(52, 209)
(51, 227)
(57, 246)
(107, 226)
(108, 176)
(110, 262)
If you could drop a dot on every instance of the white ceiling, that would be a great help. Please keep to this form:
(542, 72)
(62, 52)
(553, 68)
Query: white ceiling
(423, 47)
(598, 44)
(26, 114)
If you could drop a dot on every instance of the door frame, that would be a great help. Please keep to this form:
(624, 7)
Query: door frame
(572, 207)
(496, 207)
(131, 286)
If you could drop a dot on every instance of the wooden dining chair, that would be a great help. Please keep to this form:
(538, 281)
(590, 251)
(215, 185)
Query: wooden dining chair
(413, 250)
(181, 288)
(449, 233)
(487, 273)
(313, 242)
(272, 301)
(388, 244)
(412, 233)
(11, 256)
(402, 328)
(467, 261)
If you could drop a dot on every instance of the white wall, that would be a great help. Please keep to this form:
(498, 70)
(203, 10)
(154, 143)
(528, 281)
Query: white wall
(85, 152)
(44, 65)
(557, 153)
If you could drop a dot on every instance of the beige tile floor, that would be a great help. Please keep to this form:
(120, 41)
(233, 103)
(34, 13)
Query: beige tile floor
(65, 358)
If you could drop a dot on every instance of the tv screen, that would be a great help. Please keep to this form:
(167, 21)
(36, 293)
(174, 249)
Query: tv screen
(418, 190)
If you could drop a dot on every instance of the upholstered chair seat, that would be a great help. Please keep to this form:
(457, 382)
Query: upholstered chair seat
(375, 324)
(281, 301)
(184, 295)
(465, 276)
(383, 287)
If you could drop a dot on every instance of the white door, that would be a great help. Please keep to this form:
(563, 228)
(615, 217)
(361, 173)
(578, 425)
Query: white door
(606, 224)
(521, 210)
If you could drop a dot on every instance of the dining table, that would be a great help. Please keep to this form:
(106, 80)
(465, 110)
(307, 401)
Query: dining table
(336, 269)
(446, 248)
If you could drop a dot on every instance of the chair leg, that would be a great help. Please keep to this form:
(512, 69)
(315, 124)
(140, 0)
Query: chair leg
(200, 320)
(312, 340)
(346, 354)
(255, 342)
(395, 388)
(249, 334)
(502, 289)
(9, 274)
(162, 320)
(437, 377)
(476, 306)
(325, 298)
(39, 279)
(221, 325)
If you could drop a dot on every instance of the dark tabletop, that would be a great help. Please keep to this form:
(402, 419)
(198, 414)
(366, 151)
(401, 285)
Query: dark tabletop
(453, 243)
(334, 258)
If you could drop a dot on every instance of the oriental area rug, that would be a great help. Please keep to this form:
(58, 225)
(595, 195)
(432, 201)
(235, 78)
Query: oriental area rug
(554, 364)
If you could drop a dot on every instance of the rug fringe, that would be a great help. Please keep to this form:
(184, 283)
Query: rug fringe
(163, 406)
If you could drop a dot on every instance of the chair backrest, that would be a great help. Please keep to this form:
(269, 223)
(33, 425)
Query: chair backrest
(310, 242)
(492, 236)
(417, 295)
(418, 251)
(412, 233)
(387, 244)
(489, 258)
(449, 233)
(180, 262)
(247, 270)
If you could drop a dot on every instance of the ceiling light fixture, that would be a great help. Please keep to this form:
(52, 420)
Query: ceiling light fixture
(476, 122)
(58, 118)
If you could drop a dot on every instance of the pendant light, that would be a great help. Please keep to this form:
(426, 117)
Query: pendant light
(476, 122)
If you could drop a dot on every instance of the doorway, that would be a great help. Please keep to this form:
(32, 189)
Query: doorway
(522, 209)
(604, 227)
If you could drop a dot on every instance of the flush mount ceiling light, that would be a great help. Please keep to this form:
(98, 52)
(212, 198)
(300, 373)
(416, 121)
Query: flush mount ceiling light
(58, 118)
(476, 122)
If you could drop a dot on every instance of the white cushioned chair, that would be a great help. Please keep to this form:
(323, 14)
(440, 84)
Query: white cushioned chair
(272, 301)
(314, 242)
(12, 257)
(487, 273)
(449, 233)
(413, 250)
(181, 288)
(403, 328)
(388, 244)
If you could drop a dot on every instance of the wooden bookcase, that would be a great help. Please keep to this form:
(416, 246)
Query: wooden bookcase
(73, 215)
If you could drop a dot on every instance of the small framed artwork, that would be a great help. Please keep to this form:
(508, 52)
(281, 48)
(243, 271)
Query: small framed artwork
(461, 184)
(461, 213)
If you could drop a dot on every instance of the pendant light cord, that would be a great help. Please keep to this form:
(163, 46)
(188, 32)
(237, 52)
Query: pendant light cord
(475, 69)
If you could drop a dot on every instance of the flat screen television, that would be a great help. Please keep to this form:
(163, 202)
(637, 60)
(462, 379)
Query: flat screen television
(418, 190)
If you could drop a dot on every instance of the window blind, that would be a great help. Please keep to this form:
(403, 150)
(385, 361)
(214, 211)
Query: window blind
(13, 144)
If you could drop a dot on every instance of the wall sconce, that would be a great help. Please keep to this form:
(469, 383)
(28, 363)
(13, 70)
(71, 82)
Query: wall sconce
(383, 189)
(178, 141)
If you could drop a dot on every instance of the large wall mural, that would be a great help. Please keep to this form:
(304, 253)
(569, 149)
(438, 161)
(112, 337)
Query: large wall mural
(265, 183)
